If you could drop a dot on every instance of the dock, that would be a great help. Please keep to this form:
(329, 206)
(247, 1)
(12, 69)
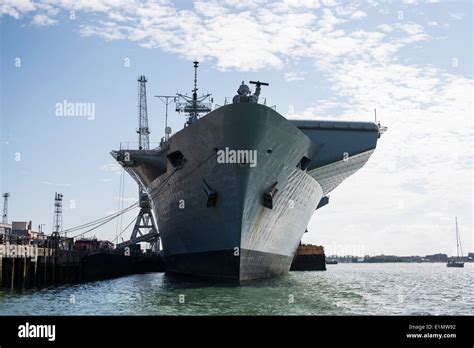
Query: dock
(29, 266)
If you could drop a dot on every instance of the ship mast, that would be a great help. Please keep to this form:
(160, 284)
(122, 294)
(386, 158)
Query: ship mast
(458, 238)
(194, 105)
(195, 89)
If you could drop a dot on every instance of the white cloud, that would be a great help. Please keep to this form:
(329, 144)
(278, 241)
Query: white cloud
(411, 28)
(294, 76)
(386, 28)
(457, 16)
(43, 13)
(232, 36)
(226, 32)
(16, 8)
(358, 15)
(423, 162)
(329, 3)
(107, 30)
(308, 4)
(43, 20)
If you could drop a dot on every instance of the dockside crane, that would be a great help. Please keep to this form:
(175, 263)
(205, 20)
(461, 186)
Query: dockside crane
(145, 229)
(55, 240)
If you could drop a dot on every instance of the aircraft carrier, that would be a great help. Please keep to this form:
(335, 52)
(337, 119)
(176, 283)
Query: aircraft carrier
(235, 189)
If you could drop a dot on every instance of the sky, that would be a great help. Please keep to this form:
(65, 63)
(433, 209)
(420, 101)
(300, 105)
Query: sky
(411, 60)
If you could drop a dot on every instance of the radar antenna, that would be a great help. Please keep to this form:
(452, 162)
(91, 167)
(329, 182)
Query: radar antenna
(258, 89)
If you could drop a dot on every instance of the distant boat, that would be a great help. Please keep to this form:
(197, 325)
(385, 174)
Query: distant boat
(456, 262)
(331, 262)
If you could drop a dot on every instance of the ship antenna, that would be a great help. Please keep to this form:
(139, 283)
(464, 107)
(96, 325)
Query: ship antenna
(196, 64)
(375, 112)
(194, 105)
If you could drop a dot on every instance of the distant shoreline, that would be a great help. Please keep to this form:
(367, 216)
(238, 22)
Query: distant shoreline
(435, 258)
(364, 262)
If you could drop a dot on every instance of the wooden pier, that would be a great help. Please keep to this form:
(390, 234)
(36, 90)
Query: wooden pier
(27, 266)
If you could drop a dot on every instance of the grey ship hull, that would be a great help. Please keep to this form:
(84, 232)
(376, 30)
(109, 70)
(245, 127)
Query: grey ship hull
(239, 238)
